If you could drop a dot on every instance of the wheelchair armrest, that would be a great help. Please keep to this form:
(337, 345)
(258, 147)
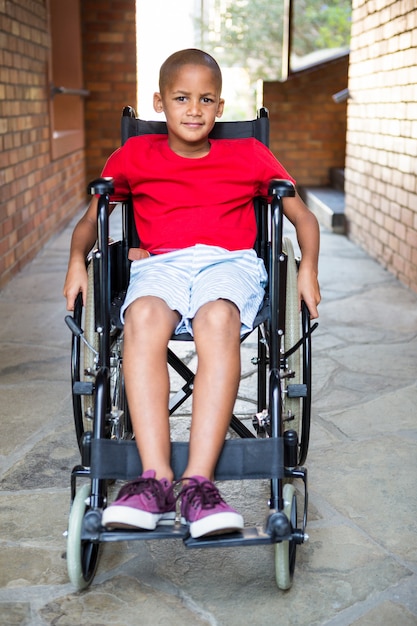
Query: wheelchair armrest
(281, 188)
(101, 186)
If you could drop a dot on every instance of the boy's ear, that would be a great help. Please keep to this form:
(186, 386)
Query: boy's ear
(157, 102)
(220, 108)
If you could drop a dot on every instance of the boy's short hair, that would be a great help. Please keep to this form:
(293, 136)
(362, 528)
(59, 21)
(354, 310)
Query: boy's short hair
(190, 56)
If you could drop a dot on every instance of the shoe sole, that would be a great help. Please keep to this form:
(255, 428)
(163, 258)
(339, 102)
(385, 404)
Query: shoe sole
(215, 524)
(127, 517)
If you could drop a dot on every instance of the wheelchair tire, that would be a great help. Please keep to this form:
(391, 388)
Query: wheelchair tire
(82, 556)
(292, 406)
(285, 552)
(88, 363)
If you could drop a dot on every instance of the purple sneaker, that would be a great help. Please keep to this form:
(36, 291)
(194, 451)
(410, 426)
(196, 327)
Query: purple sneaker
(142, 503)
(204, 510)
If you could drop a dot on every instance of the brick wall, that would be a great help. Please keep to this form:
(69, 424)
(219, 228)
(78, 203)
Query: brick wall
(38, 195)
(109, 52)
(381, 162)
(308, 130)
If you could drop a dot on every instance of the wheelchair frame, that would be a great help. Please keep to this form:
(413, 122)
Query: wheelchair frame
(276, 451)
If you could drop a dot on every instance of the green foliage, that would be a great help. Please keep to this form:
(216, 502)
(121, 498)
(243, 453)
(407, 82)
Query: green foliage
(318, 25)
(248, 33)
(250, 36)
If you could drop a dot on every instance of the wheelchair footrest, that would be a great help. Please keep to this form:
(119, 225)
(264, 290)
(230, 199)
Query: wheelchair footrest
(249, 536)
(297, 391)
(81, 388)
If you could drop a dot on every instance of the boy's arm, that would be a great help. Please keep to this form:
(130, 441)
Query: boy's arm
(308, 235)
(83, 239)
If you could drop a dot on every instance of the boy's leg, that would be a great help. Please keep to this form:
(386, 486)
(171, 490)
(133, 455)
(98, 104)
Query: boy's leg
(149, 324)
(216, 329)
(149, 500)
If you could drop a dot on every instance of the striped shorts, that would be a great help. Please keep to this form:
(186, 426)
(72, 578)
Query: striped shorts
(189, 278)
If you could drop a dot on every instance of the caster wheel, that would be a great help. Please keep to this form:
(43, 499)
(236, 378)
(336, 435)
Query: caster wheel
(285, 552)
(82, 556)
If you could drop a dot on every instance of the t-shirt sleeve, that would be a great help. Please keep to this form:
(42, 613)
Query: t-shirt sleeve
(116, 168)
(269, 167)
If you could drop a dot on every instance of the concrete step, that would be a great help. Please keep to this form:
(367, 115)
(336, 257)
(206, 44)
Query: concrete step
(328, 205)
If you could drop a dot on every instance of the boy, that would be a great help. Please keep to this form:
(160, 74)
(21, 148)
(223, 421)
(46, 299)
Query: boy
(193, 210)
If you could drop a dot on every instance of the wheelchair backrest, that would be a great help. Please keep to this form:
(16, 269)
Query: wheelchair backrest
(131, 126)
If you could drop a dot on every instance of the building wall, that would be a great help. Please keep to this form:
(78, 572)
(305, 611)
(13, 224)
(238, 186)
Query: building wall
(381, 158)
(38, 195)
(308, 129)
(109, 51)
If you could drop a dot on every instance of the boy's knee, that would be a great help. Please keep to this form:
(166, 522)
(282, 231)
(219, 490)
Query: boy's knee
(218, 315)
(147, 311)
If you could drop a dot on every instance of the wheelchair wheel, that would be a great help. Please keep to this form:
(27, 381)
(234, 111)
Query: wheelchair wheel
(296, 400)
(88, 358)
(285, 552)
(292, 406)
(84, 367)
(82, 556)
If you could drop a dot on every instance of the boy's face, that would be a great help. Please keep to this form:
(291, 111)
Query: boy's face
(191, 102)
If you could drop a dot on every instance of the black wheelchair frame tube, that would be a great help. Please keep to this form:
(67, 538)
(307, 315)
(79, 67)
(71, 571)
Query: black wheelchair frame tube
(102, 259)
(102, 316)
(263, 252)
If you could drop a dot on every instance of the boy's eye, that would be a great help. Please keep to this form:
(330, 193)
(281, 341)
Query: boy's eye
(204, 99)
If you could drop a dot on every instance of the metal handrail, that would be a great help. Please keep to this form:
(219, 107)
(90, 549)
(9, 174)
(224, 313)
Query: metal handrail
(68, 91)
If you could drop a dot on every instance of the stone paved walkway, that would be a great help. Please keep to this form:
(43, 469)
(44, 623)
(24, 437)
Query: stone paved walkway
(360, 565)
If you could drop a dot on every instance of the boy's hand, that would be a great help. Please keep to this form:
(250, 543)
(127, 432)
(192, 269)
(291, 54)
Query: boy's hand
(75, 282)
(309, 289)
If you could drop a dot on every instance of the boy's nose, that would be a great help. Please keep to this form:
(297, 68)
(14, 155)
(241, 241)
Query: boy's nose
(194, 107)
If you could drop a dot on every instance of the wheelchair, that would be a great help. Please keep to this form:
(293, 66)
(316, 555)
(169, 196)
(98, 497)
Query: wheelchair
(274, 446)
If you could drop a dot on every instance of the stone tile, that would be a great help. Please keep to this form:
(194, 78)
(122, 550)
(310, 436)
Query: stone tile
(120, 601)
(15, 613)
(30, 362)
(387, 613)
(373, 484)
(47, 464)
(22, 566)
(35, 322)
(30, 408)
(392, 413)
(396, 319)
(356, 373)
(42, 528)
(321, 435)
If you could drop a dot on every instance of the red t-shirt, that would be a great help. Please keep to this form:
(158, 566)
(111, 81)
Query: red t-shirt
(179, 202)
